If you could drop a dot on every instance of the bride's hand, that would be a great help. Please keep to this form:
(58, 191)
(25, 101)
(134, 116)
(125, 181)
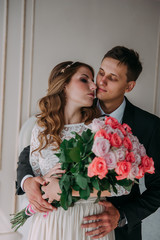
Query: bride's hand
(56, 171)
(52, 190)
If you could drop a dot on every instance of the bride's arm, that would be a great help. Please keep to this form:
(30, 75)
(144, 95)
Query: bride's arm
(52, 191)
(56, 172)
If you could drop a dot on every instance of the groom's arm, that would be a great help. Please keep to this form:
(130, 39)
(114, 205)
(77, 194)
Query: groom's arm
(149, 201)
(24, 168)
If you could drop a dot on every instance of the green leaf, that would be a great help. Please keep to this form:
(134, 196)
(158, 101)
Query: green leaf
(79, 145)
(65, 156)
(81, 181)
(104, 184)
(89, 159)
(65, 166)
(66, 199)
(85, 193)
(62, 157)
(69, 198)
(114, 189)
(64, 144)
(77, 136)
(128, 188)
(88, 147)
(95, 183)
(63, 200)
(75, 169)
(76, 187)
(98, 197)
(74, 154)
(99, 194)
(55, 203)
(75, 199)
(87, 136)
(125, 182)
(70, 143)
(57, 154)
(65, 182)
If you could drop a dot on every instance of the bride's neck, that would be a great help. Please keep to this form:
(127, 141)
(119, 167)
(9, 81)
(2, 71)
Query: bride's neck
(72, 116)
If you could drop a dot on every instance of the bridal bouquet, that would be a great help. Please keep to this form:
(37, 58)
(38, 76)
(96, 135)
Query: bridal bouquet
(107, 154)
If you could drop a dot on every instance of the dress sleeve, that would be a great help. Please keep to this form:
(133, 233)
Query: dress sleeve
(34, 156)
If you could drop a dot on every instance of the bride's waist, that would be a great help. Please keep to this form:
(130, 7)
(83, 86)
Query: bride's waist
(89, 200)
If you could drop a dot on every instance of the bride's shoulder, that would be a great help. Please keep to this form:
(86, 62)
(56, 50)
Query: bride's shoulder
(37, 129)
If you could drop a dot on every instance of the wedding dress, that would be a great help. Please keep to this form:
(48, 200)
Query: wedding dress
(61, 224)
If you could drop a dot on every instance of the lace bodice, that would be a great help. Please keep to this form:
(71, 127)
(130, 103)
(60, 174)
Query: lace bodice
(42, 162)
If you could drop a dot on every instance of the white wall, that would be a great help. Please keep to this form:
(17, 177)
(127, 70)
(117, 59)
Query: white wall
(35, 35)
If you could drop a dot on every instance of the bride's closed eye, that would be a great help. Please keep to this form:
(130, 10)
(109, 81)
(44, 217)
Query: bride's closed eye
(84, 80)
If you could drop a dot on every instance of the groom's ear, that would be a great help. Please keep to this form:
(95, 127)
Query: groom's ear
(130, 86)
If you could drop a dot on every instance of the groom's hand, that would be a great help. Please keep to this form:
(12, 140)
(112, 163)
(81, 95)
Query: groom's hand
(104, 222)
(32, 189)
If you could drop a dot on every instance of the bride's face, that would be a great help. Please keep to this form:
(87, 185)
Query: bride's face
(80, 90)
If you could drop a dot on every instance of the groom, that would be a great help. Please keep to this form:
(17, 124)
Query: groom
(117, 75)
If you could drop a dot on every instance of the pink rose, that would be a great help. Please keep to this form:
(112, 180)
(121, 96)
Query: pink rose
(115, 140)
(112, 122)
(130, 157)
(142, 150)
(137, 158)
(97, 124)
(111, 160)
(127, 143)
(135, 147)
(127, 128)
(120, 127)
(140, 172)
(123, 168)
(108, 129)
(148, 164)
(120, 153)
(101, 146)
(98, 168)
(134, 172)
(119, 132)
(132, 138)
(102, 133)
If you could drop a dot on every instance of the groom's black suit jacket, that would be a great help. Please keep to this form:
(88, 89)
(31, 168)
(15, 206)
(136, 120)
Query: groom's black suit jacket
(136, 206)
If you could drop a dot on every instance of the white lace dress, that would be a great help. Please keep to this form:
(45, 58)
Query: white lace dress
(61, 224)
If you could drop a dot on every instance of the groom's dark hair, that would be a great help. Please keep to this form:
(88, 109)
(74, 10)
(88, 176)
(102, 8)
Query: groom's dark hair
(128, 57)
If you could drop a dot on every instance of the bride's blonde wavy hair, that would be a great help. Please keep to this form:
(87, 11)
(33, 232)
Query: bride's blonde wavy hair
(51, 116)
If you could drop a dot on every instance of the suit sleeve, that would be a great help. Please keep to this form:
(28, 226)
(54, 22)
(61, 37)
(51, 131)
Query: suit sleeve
(149, 201)
(23, 169)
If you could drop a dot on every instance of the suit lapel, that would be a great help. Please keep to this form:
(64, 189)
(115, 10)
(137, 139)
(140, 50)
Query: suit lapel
(128, 116)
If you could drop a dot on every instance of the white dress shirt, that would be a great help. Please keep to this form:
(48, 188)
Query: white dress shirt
(118, 113)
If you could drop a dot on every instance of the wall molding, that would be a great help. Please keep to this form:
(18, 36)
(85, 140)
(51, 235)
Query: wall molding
(31, 59)
(4, 60)
(156, 100)
(21, 78)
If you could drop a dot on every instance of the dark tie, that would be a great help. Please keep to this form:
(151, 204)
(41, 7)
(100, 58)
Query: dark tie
(103, 115)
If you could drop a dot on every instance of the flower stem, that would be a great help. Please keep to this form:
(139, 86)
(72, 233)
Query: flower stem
(87, 156)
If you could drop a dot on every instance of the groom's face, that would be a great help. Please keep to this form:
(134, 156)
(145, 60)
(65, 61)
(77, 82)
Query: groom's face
(112, 81)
